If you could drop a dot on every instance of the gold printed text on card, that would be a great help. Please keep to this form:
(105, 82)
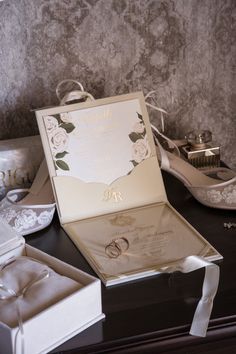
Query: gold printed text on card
(122, 220)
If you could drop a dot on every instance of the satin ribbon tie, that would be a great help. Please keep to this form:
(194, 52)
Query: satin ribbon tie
(8, 293)
(210, 285)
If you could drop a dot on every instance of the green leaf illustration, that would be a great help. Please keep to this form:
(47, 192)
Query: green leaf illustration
(58, 118)
(60, 155)
(56, 168)
(134, 162)
(135, 136)
(69, 127)
(62, 165)
(140, 116)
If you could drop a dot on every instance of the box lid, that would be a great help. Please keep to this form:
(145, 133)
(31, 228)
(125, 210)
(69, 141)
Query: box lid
(9, 238)
(101, 156)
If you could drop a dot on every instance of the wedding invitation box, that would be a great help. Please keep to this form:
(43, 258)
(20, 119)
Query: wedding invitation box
(43, 301)
(109, 190)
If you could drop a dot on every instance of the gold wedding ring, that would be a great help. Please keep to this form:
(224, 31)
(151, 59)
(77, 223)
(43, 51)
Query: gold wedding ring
(116, 247)
(123, 242)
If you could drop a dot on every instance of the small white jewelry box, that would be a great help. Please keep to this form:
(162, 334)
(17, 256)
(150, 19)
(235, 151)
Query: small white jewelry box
(56, 323)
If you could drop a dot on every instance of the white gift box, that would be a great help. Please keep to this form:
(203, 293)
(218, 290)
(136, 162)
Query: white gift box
(58, 322)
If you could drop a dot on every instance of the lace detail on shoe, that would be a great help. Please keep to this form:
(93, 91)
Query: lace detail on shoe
(4, 204)
(219, 195)
(25, 220)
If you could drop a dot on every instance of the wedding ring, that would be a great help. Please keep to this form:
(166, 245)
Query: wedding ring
(123, 243)
(113, 250)
(116, 247)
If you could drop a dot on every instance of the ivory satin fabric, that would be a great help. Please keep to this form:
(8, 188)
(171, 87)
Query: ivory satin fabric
(19, 274)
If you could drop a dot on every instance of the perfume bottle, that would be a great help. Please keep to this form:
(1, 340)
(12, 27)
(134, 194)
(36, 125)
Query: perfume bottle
(200, 151)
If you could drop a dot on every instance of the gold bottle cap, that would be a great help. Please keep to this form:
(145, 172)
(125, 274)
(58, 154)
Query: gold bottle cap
(198, 139)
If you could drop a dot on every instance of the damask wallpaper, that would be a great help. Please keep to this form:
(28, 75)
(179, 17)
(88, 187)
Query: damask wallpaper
(183, 49)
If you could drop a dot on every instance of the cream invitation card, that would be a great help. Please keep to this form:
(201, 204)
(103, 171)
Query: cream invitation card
(98, 144)
(140, 240)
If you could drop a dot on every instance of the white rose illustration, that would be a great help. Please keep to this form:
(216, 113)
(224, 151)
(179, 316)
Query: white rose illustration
(141, 150)
(65, 117)
(139, 128)
(59, 140)
(51, 123)
(25, 219)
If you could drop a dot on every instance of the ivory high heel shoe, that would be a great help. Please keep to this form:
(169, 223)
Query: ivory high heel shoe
(209, 191)
(35, 210)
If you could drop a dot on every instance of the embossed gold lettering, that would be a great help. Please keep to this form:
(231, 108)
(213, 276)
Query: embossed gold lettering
(111, 194)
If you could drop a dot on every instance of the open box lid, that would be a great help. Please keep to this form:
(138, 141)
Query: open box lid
(102, 162)
(9, 238)
(101, 156)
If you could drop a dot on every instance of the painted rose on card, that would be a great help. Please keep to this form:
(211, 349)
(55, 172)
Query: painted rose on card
(141, 151)
(65, 117)
(59, 127)
(59, 140)
(51, 123)
(99, 142)
(139, 128)
(140, 148)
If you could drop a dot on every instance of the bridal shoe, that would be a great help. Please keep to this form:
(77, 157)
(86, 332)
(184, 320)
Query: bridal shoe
(213, 192)
(218, 191)
(34, 211)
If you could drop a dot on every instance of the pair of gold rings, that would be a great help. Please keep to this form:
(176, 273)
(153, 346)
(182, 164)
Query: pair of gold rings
(116, 247)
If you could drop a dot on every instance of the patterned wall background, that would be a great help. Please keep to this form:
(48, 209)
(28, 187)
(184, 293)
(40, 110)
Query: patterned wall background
(183, 49)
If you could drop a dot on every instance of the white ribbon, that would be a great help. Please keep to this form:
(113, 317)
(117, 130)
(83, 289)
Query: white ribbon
(161, 110)
(164, 158)
(11, 294)
(210, 285)
(211, 280)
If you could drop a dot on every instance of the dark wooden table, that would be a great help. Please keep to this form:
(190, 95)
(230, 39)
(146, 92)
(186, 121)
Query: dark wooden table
(153, 315)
